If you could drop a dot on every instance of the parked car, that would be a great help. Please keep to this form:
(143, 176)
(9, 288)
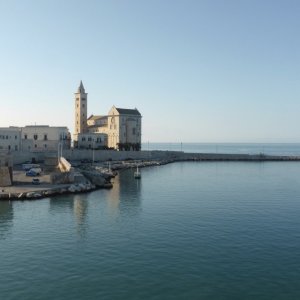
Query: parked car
(30, 173)
(34, 172)
(27, 167)
(35, 181)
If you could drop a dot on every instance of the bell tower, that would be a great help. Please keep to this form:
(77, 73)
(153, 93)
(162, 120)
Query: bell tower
(80, 110)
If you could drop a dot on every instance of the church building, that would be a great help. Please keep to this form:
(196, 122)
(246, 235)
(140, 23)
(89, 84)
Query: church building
(121, 129)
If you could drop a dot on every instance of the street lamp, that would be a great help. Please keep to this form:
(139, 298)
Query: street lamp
(93, 150)
(59, 151)
(58, 146)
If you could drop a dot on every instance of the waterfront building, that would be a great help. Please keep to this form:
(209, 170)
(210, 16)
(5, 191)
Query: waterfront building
(45, 138)
(91, 140)
(34, 138)
(124, 128)
(10, 138)
(120, 129)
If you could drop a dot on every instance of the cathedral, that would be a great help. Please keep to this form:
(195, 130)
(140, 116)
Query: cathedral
(121, 129)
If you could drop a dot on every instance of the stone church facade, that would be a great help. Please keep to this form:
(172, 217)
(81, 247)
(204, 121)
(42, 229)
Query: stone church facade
(121, 129)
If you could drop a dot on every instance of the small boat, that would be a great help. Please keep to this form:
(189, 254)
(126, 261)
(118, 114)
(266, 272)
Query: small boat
(137, 173)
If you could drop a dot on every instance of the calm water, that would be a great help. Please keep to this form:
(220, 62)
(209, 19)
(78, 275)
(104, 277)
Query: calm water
(237, 148)
(184, 231)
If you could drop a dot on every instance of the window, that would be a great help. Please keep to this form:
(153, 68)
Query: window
(35, 146)
(16, 148)
(45, 146)
(25, 136)
(9, 147)
(35, 136)
(45, 137)
(16, 137)
(83, 139)
(89, 139)
(133, 131)
(83, 106)
(7, 137)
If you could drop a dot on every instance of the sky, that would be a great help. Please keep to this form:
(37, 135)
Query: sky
(198, 71)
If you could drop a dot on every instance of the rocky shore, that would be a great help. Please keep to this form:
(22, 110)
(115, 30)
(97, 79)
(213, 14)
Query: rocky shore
(31, 193)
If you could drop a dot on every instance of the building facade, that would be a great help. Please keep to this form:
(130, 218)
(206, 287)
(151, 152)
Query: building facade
(10, 138)
(91, 141)
(34, 138)
(45, 138)
(124, 128)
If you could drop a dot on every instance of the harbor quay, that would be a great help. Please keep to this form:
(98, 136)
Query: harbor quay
(86, 170)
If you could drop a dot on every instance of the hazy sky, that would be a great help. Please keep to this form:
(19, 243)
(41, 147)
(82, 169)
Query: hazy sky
(198, 71)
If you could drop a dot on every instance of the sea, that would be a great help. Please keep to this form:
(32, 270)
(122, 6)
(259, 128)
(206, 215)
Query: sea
(227, 148)
(186, 230)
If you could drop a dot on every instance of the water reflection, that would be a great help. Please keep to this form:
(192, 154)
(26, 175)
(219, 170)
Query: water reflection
(124, 199)
(72, 204)
(6, 218)
(61, 204)
(81, 211)
(125, 196)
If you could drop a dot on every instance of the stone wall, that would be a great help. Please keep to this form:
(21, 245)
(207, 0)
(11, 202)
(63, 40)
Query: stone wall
(5, 176)
(99, 155)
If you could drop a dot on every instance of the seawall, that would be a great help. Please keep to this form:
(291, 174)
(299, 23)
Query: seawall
(104, 155)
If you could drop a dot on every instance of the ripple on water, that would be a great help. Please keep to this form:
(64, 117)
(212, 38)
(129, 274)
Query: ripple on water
(185, 231)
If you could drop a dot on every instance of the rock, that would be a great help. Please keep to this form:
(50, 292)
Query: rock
(33, 195)
(82, 186)
(49, 193)
(72, 188)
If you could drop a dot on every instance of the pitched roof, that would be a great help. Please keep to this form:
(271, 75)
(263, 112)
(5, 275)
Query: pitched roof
(81, 88)
(92, 117)
(126, 111)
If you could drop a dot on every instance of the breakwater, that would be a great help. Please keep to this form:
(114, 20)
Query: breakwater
(111, 155)
(235, 157)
